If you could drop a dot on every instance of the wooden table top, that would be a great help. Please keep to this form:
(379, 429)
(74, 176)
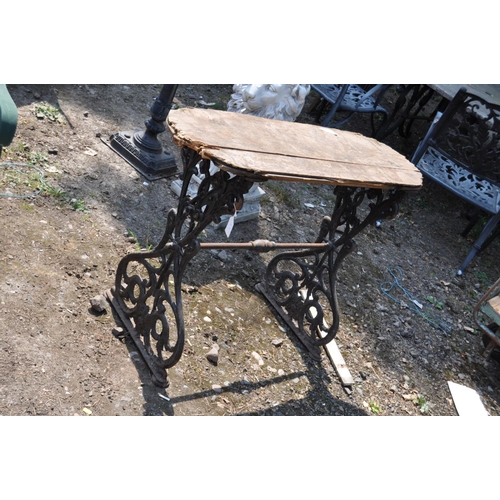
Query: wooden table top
(273, 149)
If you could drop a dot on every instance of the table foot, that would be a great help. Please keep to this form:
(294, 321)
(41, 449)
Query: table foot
(302, 285)
(147, 298)
(313, 349)
(158, 375)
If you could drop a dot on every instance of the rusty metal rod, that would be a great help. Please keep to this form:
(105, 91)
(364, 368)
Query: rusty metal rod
(265, 246)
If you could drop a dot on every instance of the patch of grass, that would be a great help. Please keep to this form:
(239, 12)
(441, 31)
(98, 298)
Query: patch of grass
(54, 191)
(21, 182)
(421, 202)
(374, 408)
(282, 194)
(136, 241)
(21, 149)
(483, 277)
(78, 204)
(45, 110)
(138, 246)
(422, 404)
(17, 182)
(435, 302)
(22, 153)
(27, 207)
(37, 158)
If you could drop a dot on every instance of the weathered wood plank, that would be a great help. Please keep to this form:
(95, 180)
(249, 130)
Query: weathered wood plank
(333, 351)
(291, 151)
(286, 168)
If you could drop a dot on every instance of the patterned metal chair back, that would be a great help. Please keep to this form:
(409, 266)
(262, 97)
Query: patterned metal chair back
(470, 135)
(461, 151)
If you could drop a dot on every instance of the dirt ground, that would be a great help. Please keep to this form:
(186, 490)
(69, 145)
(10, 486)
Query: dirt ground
(62, 243)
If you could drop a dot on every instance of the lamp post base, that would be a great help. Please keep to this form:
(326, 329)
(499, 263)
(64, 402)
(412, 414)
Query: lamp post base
(151, 164)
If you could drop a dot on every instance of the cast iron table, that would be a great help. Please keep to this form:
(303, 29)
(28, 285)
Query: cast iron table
(489, 92)
(300, 281)
(413, 98)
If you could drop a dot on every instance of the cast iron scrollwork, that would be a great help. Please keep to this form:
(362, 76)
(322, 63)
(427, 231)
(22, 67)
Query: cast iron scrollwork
(474, 138)
(304, 283)
(148, 284)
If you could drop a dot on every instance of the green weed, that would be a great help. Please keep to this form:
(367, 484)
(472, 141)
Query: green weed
(21, 149)
(45, 110)
(422, 404)
(436, 303)
(20, 183)
(136, 241)
(37, 158)
(138, 246)
(27, 207)
(54, 191)
(282, 194)
(482, 277)
(78, 204)
(375, 408)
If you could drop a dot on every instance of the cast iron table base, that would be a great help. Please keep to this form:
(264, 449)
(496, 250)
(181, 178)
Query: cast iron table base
(300, 284)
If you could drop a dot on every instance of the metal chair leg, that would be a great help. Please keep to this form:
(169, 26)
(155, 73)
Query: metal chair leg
(479, 243)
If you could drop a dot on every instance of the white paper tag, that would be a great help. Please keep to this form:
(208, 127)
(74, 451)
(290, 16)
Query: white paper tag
(230, 224)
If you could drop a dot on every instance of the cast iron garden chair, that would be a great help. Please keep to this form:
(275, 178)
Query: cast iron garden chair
(350, 98)
(461, 152)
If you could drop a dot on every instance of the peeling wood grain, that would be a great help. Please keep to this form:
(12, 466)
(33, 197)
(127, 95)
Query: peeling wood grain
(297, 152)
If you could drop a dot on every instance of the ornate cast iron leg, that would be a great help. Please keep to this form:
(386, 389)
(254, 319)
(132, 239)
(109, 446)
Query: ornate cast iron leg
(147, 292)
(410, 102)
(301, 285)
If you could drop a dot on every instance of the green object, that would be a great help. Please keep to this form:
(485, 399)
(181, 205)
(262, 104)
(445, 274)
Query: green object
(8, 117)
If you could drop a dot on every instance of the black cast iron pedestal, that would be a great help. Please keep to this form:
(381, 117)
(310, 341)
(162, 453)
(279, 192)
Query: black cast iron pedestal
(143, 150)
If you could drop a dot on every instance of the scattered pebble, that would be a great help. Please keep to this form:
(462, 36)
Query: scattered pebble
(213, 354)
(223, 256)
(257, 358)
(98, 303)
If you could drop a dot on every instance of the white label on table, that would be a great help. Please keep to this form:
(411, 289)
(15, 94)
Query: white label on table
(230, 224)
